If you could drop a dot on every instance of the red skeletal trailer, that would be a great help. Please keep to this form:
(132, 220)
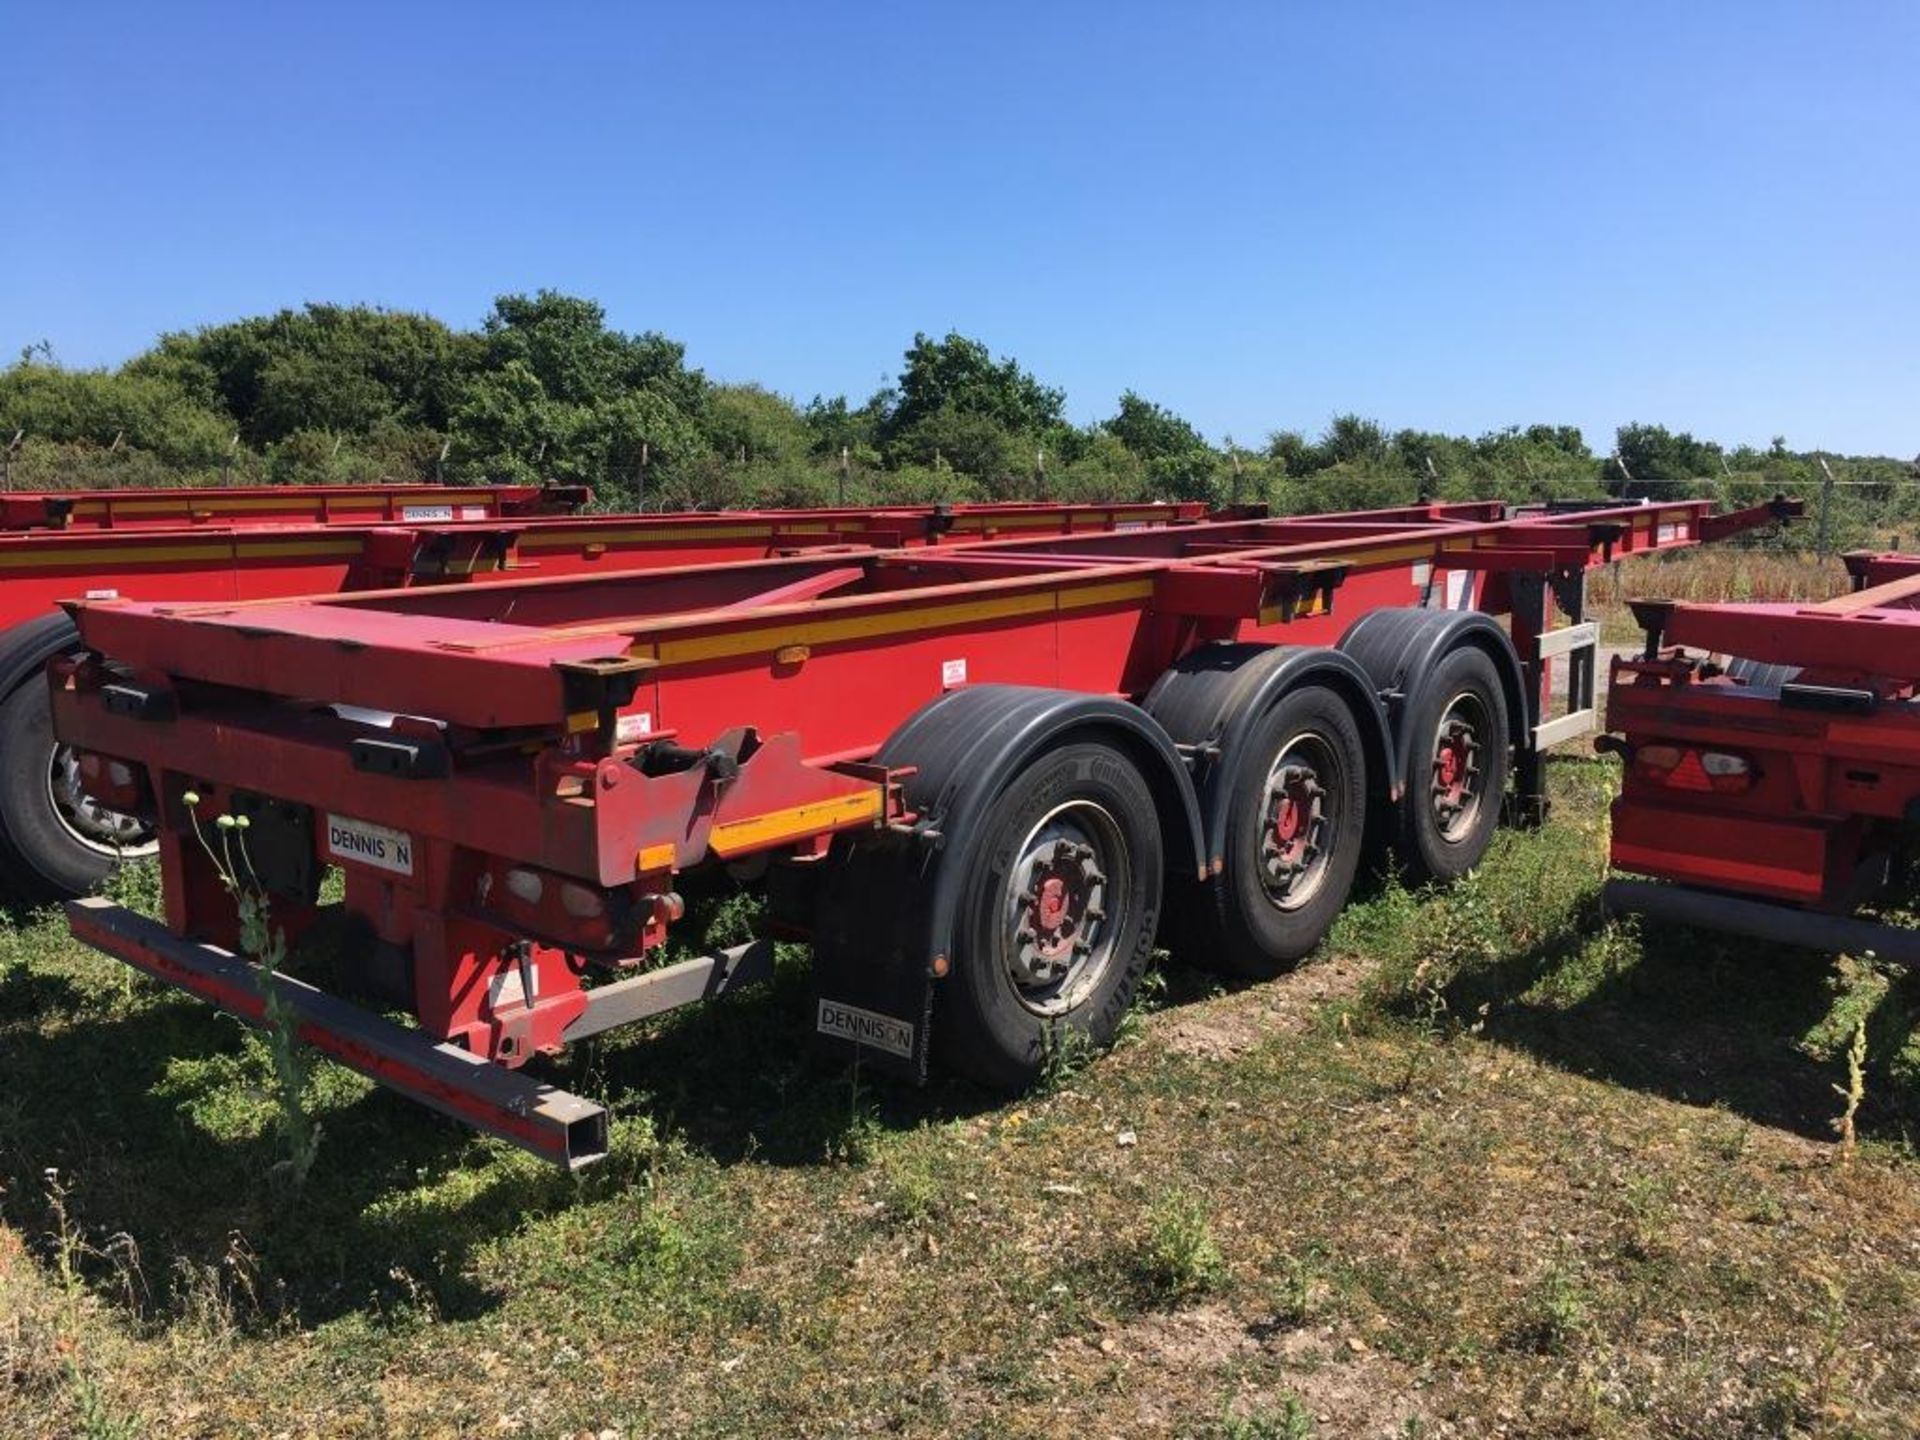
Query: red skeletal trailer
(978, 776)
(1771, 788)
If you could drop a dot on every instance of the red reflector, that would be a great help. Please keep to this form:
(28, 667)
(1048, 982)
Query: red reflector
(1680, 767)
(1689, 774)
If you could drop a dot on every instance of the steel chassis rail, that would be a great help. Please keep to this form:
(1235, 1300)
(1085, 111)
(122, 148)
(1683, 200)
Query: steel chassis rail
(257, 505)
(420, 545)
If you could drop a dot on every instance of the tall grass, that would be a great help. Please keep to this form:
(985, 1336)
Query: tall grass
(1721, 573)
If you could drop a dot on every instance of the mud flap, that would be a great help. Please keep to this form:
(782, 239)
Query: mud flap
(873, 980)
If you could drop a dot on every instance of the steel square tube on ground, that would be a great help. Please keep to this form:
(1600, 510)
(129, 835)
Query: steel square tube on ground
(538, 1117)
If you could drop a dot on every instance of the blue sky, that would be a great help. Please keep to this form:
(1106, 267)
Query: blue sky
(1447, 216)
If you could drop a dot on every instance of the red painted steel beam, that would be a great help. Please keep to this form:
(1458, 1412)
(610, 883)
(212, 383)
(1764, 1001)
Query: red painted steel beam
(483, 655)
(236, 562)
(1884, 642)
(1894, 592)
(272, 505)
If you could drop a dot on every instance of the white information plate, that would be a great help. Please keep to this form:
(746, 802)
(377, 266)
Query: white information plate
(361, 842)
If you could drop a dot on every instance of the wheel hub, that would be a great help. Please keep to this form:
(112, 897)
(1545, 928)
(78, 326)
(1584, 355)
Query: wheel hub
(1058, 911)
(1455, 789)
(1065, 876)
(85, 818)
(1291, 840)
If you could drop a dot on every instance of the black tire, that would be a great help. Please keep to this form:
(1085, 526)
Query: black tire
(1441, 834)
(999, 1029)
(44, 858)
(1248, 921)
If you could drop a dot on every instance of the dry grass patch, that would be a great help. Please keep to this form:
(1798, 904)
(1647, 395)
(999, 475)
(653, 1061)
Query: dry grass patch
(1488, 1167)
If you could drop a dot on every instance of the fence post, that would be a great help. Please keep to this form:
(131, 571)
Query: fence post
(843, 476)
(1826, 503)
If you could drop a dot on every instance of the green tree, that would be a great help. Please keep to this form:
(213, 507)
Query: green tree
(338, 368)
(749, 422)
(1664, 464)
(960, 376)
(834, 425)
(1152, 431)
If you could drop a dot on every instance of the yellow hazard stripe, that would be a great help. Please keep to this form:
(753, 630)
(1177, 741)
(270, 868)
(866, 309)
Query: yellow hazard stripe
(1315, 605)
(215, 550)
(260, 549)
(187, 503)
(654, 857)
(864, 627)
(100, 554)
(1381, 554)
(794, 823)
(565, 539)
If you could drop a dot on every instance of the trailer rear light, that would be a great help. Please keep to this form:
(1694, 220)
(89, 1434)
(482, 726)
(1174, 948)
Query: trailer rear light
(571, 914)
(1683, 767)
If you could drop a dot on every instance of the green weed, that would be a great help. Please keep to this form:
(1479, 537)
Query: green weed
(1177, 1258)
(1290, 1420)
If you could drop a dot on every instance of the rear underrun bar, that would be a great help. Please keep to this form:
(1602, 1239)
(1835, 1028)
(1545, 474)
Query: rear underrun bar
(1759, 920)
(539, 1118)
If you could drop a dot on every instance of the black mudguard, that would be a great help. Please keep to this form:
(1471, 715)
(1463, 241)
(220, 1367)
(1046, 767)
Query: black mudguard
(885, 920)
(1398, 650)
(1217, 693)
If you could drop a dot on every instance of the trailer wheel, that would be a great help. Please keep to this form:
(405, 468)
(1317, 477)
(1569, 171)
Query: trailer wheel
(58, 842)
(1056, 922)
(1296, 820)
(1456, 770)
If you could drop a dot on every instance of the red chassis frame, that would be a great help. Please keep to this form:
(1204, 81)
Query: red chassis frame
(262, 505)
(234, 560)
(584, 739)
(1821, 775)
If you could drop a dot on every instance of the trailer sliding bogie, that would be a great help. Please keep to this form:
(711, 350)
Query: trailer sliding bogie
(1285, 742)
(980, 775)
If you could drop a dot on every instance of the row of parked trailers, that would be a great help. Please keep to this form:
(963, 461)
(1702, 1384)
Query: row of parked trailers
(982, 767)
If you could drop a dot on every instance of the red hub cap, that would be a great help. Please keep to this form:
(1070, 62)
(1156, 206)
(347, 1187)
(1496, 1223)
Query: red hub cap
(1295, 800)
(1456, 768)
